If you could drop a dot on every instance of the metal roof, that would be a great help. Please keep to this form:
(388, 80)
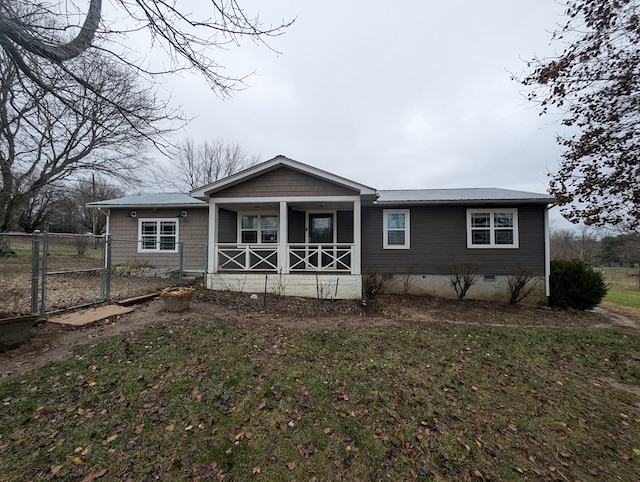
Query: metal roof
(465, 195)
(162, 199)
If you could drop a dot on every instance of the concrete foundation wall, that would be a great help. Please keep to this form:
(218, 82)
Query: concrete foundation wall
(350, 286)
(495, 289)
(325, 286)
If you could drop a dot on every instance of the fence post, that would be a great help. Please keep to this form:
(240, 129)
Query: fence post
(35, 265)
(106, 272)
(45, 249)
(181, 251)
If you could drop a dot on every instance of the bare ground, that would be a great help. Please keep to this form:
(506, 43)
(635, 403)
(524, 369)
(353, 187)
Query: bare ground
(51, 342)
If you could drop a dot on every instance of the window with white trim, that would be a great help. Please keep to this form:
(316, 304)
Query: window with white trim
(396, 229)
(158, 236)
(492, 228)
(258, 228)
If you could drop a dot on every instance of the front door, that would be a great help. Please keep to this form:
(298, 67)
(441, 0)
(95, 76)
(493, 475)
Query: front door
(320, 232)
(320, 228)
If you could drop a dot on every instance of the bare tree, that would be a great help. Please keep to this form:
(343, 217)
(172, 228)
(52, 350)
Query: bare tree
(562, 243)
(65, 204)
(91, 189)
(39, 209)
(588, 244)
(582, 243)
(44, 143)
(193, 165)
(33, 34)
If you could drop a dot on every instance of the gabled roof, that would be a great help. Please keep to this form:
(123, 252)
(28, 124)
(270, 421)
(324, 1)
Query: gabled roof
(459, 196)
(162, 199)
(276, 163)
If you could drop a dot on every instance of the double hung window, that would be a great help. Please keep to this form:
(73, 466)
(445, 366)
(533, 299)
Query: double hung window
(396, 229)
(158, 235)
(492, 228)
(258, 228)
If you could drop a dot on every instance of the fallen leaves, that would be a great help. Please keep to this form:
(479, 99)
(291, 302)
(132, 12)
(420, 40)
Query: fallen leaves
(94, 475)
(354, 403)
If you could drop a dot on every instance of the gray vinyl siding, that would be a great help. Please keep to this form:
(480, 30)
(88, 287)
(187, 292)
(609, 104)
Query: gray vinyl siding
(227, 226)
(285, 182)
(438, 240)
(296, 224)
(192, 230)
(345, 226)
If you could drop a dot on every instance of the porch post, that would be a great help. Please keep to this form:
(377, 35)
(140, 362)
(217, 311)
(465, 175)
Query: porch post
(283, 257)
(357, 238)
(212, 264)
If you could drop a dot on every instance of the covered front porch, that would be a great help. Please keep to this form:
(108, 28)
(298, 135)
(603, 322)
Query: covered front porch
(296, 246)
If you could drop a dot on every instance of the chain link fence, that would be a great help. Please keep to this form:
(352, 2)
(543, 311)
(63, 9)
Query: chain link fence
(16, 273)
(49, 272)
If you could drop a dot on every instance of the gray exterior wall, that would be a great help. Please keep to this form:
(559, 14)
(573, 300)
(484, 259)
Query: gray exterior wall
(439, 240)
(193, 230)
(284, 182)
(345, 226)
(296, 226)
(227, 226)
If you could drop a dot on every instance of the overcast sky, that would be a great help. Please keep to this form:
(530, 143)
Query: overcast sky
(395, 95)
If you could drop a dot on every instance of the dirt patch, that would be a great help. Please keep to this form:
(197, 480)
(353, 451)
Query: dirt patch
(51, 342)
(634, 389)
(624, 316)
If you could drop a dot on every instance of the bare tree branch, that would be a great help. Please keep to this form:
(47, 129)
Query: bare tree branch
(188, 38)
(194, 165)
(43, 142)
(14, 29)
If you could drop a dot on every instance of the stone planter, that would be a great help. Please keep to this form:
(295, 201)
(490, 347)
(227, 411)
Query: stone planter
(177, 299)
(14, 331)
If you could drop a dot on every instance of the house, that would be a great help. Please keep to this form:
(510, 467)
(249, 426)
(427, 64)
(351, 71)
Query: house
(291, 228)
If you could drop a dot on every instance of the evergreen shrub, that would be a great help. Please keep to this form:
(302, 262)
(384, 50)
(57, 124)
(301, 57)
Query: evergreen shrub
(574, 284)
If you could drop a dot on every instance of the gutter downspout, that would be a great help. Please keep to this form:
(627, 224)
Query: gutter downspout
(547, 252)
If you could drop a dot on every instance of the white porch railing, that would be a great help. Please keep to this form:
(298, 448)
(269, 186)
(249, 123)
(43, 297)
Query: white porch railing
(320, 257)
(232, 257)
(301, 257)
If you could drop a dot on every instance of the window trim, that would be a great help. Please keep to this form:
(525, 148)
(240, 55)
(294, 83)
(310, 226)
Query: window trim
(407, 229)
(492, 228)
(157, 249)
(259, 230)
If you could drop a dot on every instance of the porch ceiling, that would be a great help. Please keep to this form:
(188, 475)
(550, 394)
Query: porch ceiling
(298, 206)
